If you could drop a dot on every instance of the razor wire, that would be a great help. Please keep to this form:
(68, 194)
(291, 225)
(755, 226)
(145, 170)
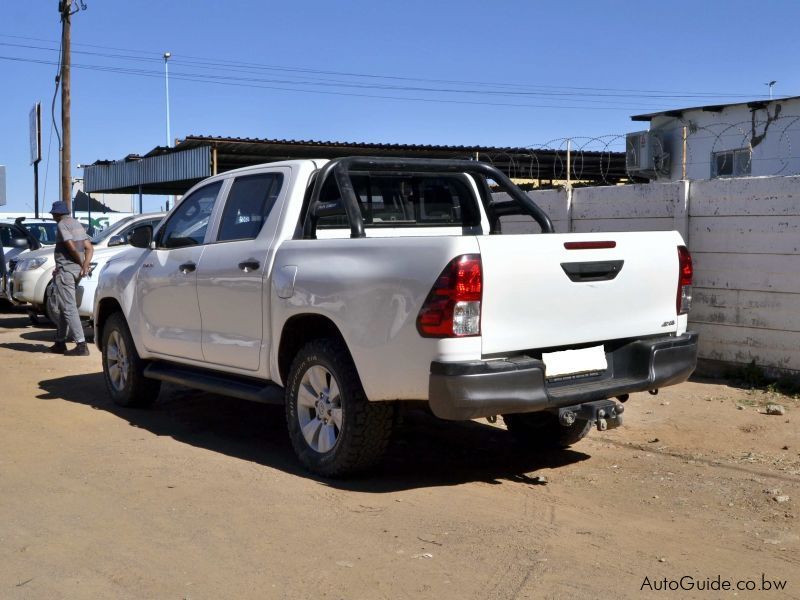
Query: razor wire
(769, 142)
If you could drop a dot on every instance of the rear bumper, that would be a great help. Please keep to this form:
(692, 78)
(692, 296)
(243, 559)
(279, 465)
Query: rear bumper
(469, 390)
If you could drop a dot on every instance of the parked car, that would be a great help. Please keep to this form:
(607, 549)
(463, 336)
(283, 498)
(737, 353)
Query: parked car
(19, 236)
(341, 289)
(31, 276)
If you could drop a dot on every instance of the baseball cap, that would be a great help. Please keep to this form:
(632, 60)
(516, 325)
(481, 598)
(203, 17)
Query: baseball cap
(59, 208)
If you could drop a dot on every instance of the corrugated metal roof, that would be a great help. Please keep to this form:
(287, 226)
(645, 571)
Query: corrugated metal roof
(677, 112)
(193, 139)
(125, 176)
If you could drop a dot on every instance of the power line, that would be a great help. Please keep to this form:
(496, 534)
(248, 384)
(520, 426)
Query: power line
(227, 64)
(575, 96)
(199, 78)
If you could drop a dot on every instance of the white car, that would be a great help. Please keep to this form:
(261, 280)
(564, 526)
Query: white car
(32, 273)
(17, 237)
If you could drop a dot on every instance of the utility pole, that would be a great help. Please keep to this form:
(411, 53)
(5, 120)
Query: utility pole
(166, 88)
(65, 11)
(64, 8)
(771, 84)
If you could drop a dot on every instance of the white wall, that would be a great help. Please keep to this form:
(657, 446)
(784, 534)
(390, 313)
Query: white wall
(100, 221)
(744, 235)
(115, 202)
(778, 153)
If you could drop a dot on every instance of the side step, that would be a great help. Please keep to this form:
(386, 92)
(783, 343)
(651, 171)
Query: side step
(225, 384)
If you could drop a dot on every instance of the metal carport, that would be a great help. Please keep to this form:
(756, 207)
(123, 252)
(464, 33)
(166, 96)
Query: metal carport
(174, 170)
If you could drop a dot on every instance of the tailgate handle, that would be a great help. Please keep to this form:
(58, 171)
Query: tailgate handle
(604, 270)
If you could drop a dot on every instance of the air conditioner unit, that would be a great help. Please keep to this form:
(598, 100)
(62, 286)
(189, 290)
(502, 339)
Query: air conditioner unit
(646, 155)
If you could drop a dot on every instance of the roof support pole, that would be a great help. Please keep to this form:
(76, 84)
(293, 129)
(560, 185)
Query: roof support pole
(683, 155)
(569, 185)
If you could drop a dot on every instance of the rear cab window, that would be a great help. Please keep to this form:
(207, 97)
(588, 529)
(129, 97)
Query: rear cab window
(404, 201)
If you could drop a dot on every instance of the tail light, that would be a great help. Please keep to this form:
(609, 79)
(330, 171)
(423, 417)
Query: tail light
(453, 306)
(685, 271)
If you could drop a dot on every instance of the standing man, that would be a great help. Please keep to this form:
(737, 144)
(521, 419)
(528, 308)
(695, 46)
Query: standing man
(2, 266)
(73, 253)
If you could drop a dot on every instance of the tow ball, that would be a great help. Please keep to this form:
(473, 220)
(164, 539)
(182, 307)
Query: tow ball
(605, 414)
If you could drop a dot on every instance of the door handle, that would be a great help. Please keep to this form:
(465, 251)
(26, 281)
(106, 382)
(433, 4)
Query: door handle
(187, 267)
(249, 265)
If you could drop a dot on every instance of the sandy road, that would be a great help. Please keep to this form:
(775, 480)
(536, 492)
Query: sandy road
(201, 497)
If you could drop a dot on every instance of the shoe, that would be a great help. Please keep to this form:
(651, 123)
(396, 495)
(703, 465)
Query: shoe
(80, 350)
(58, 348)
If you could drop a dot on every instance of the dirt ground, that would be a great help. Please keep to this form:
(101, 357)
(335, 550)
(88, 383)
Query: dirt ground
(201, 497)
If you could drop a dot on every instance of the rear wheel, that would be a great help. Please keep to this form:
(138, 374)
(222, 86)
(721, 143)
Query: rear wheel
(542, 431)
(334, 429)
(123, 370)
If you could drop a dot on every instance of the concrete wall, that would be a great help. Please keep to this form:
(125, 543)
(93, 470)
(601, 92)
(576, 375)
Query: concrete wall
(744, 235)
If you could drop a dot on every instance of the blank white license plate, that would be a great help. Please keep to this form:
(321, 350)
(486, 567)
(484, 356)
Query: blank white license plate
(573, 362)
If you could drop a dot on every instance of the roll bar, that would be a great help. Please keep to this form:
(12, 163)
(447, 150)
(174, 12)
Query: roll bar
(342, 167)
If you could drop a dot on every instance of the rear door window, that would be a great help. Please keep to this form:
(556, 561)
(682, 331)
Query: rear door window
(249, 203)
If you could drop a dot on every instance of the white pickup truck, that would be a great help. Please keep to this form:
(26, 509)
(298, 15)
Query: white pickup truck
(344, 288)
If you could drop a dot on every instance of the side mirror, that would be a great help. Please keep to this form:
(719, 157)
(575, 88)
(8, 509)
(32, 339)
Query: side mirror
(141, 237)
(116, 240)
(20, 243)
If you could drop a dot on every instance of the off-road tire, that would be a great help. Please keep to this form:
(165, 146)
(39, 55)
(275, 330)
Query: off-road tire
(542, 431)
(365, 426)
(136, 390)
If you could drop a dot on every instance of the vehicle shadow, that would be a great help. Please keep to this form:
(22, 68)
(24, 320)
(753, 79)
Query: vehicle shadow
(425, 452)
(14, 320)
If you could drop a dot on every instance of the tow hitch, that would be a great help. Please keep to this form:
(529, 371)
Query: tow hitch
(605, 414)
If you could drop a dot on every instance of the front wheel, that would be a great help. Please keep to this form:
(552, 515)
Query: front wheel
(334, 429)
(542, 431)
(123, 370)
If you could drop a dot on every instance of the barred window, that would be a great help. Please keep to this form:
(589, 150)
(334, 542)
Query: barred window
(731, 163)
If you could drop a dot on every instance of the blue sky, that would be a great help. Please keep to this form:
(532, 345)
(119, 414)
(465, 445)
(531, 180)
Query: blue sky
(513, 73)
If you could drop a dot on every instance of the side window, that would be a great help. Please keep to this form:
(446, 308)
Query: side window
(188, 224)
(249, 202)
(5, 235)
(126, 233)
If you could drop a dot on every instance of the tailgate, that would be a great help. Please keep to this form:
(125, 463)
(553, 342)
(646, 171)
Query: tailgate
(539, 294)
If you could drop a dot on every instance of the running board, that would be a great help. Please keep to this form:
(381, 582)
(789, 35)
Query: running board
(245, 388)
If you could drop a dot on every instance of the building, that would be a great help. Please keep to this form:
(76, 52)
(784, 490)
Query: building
(174, 170)
(745, 139)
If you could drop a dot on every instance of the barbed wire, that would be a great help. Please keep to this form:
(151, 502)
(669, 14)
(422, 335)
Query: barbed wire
(767, 145)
